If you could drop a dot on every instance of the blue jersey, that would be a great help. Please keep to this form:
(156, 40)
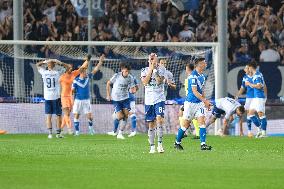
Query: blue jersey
(131, 95)
(195, 80)
(258, 78)
(249, 90)
(81, 86)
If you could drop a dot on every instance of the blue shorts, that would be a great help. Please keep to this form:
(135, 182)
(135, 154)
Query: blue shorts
(217, 112)
(152, 111)
(120, 105)
(53, 107)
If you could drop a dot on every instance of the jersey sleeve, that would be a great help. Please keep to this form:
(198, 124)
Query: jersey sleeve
(258, 80)
(162, 71)
(114, 78)
(135, 81)
(75, 73)
(132, 82)
(41, 70)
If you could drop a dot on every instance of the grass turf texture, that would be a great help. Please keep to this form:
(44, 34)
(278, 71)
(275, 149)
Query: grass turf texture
(100, 161)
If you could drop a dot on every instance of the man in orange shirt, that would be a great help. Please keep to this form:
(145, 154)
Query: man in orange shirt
(66, 81)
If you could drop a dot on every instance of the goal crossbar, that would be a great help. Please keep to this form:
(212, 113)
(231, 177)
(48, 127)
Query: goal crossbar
(110, 43)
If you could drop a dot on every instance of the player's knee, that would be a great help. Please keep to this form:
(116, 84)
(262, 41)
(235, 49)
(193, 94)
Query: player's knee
(119, 115)
(159, 119)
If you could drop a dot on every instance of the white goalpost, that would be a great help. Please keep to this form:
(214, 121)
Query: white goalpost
(24, 79)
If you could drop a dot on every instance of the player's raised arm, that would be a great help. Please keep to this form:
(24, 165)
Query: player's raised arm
(159, 76)
(86, 62)
(97, 68)
(59, 63)
(39, 64)
(145, 77)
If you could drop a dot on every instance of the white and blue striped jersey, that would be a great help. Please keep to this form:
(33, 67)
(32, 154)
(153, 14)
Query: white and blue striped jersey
(50, 80)
(228, 105)
(258, 78)
(195, 80)
(131, 95)
(81, 86)
(249, 90)
(121, 86)
(154, 92)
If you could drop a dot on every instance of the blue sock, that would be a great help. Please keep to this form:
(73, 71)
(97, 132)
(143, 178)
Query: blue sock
(133, 122)
(263, 122)
(202, 132)
(249, 123)
(255, 120)
(115, 125)
(76, 124)
(180, 134)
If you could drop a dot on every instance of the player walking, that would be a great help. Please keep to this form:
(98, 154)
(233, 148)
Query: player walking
(122, 83)
(194, 105)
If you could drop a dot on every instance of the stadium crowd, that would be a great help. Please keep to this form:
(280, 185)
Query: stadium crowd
(255, 26)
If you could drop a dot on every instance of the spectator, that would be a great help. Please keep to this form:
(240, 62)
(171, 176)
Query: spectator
(269, 55)
(242, 56)
(251, 23)
(186, 34)
(5, 10)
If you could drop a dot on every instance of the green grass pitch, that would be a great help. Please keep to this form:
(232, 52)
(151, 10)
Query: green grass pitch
(100, 161)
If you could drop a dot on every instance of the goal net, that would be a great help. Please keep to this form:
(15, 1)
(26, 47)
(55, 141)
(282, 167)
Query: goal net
(21, 86)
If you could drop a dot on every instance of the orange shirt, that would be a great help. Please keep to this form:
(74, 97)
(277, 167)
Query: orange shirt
(66, 81)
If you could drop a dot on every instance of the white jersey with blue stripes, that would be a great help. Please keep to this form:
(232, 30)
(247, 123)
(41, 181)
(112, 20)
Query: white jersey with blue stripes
(154, 92)
(121, 86)
(228, 105)
(50, 80)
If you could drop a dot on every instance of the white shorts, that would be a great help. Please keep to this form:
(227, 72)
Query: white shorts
(132, 107)
(82, 106)
(193, 110)
(258, 104)
(248, 103)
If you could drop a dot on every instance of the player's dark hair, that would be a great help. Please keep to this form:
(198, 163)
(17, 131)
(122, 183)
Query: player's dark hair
(124, 65)
(242, 109)
(252, 64)
(197, 60)
(190, 66)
